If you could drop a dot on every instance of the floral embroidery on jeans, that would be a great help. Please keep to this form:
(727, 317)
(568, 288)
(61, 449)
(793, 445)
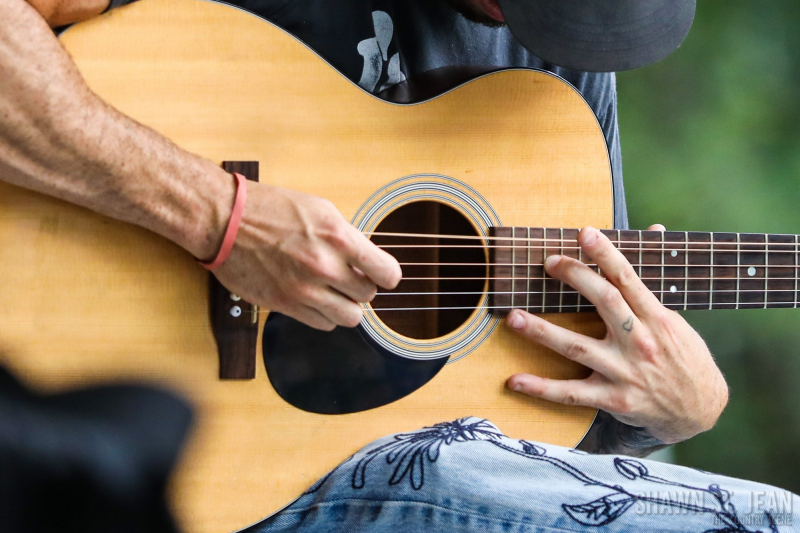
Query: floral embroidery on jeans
(409, 453)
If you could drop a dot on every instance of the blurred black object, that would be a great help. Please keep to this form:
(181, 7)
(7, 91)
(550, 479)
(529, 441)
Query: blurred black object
(92, 460)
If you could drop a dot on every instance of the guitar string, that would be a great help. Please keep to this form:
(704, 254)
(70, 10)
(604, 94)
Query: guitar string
(677, 265)
(559, 239)
(642, 278)
(679, 306)
(555, 244)
(703, 305)
(551, 247)
(559, 244)
(573, 291)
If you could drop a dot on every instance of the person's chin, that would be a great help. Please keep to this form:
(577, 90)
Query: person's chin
(486, 12)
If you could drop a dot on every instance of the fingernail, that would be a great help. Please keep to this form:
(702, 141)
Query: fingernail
(588, 236)
(551, 262)
(518, 387)
(516, 321)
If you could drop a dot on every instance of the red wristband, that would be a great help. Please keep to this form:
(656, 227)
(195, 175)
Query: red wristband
(233, 224)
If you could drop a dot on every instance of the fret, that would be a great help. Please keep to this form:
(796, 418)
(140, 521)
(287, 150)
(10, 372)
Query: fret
(780, 271)
(752, 271)
(662, 294)
(651, 253)
(570, 297)
(640, 254)
(686, 272)
(674, 270)
(711, 274)
(520, 261)
(513, 268)
(528, 273)
(766, 274)
(628, 244)
(544, 273)
(580, 258)
(553, 287)
(796, 267)
(536, 271)
(698, 285)
(561, 283)
(724, 270)
(738, 265)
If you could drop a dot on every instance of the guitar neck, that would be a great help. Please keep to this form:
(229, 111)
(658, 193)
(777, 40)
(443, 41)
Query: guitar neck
(685, 270)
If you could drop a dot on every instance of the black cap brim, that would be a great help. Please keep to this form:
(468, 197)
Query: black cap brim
(600, 35)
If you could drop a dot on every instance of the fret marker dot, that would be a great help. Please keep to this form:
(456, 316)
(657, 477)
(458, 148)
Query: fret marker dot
(674, 253)
(751, 271)
(673, 289)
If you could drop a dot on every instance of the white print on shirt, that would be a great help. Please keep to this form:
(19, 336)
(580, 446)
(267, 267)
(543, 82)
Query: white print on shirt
(376, 55)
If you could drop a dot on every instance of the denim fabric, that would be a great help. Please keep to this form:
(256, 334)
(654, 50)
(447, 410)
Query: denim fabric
(465, 476)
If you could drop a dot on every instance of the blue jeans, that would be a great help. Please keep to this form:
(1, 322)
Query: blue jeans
(466, 476)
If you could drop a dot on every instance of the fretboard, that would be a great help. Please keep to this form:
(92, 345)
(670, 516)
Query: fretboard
(685, 270)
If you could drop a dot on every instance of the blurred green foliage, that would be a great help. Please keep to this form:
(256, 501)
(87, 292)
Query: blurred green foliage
(711, 142)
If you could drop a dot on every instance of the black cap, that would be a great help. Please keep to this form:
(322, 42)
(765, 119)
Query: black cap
(600, 35)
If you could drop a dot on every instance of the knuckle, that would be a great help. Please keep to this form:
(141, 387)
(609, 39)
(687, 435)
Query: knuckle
(328, 221)
(611, 297)
(646, 347)
(306, 294)
(619, 404)
(576, 351)
(602, 248)
(662, 317)
(340, 237)
(571, 398)
(370, 293)
(323, 267)
(364, 256)
(667, 319)
(627, 277)
(537, 330)
(279, 302)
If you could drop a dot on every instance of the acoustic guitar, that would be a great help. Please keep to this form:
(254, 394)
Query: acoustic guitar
(465, 189)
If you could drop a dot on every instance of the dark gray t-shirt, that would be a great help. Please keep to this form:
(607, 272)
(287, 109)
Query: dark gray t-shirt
(380, 43)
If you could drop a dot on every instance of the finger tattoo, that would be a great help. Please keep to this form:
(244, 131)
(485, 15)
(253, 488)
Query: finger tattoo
(628, 325)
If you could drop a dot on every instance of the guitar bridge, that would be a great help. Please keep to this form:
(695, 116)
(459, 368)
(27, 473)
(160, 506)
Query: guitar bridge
(234, 321)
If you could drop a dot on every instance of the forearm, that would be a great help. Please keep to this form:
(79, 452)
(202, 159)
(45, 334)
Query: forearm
(58, 138)
(610, 436)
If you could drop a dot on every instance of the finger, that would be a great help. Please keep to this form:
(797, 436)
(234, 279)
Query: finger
(353, 284)
(310, 317)
(617, 270)
(376, 264)
(337, 308)
(657, 227)
(566, 392)
(608, 300)
(579, 348)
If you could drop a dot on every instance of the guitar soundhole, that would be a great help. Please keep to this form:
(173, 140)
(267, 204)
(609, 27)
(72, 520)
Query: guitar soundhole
(443, 278)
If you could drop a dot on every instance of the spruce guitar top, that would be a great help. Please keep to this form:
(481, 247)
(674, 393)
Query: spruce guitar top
(465, 189)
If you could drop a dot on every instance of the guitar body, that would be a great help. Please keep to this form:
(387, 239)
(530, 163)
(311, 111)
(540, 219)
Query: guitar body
(86, 299)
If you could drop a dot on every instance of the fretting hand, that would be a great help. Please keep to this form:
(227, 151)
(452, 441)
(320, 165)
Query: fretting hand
(297, 255)
(652, 369)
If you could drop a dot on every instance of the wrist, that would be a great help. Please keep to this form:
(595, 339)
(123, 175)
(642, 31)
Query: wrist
(232, 229)
(206, 232)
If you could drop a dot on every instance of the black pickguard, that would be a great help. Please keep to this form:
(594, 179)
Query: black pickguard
(337, 372)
